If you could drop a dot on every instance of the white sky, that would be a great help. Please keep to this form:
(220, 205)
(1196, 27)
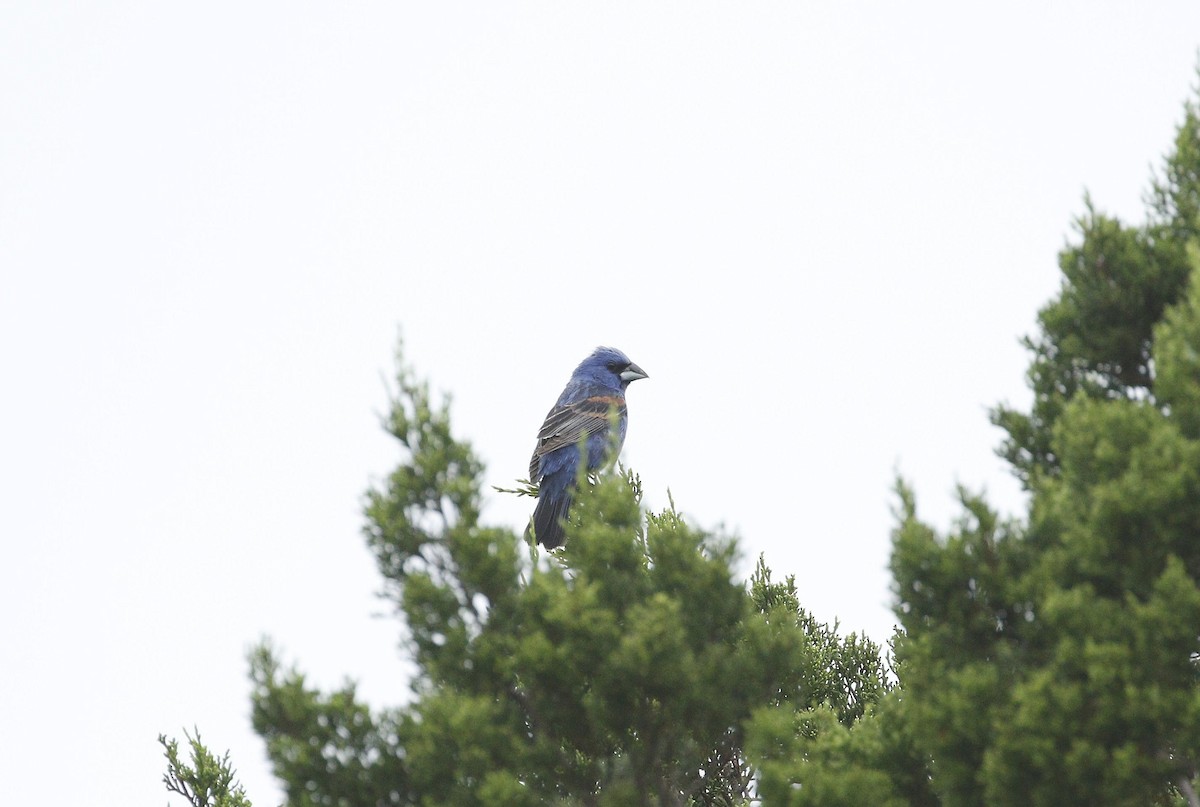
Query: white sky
(820, 228)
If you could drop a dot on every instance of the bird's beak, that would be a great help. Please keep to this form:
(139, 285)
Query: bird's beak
(633, 373)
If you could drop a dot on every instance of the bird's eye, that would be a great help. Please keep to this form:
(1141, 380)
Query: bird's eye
(613, 367)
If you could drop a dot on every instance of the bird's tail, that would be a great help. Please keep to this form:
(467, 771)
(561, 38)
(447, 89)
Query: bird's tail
(548, 516)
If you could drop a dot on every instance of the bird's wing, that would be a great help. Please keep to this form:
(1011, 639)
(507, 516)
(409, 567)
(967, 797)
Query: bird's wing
(566, 424)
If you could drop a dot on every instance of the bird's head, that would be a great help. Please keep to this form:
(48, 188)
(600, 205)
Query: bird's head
(610, 367)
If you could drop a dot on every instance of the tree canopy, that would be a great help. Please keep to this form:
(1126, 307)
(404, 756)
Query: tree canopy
(1053, 660)
(1047, 659)
(624, 669)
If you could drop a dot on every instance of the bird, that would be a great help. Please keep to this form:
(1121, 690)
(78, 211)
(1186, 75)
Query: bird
(596, 387)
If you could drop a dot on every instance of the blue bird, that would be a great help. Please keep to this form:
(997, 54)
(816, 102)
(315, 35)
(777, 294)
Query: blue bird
(597, 385)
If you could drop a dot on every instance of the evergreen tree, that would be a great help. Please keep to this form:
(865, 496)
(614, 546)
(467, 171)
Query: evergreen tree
(622, 670)
(1055, 661)
(1096, 336)
(1051, 660)
(208, 781)
(839, 745)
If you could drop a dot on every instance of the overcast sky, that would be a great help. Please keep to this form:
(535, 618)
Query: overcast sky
(820, 228)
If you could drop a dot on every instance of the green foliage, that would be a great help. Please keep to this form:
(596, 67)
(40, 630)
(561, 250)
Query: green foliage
(622, 669)
(1111, 714)
(964, 614)
(328, 749)
(1047, 661)
(837, 734)
(844, 674)
(811, 759)
(1097, 335)
(1055, 662)
(1177, 351)
(208, 781)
